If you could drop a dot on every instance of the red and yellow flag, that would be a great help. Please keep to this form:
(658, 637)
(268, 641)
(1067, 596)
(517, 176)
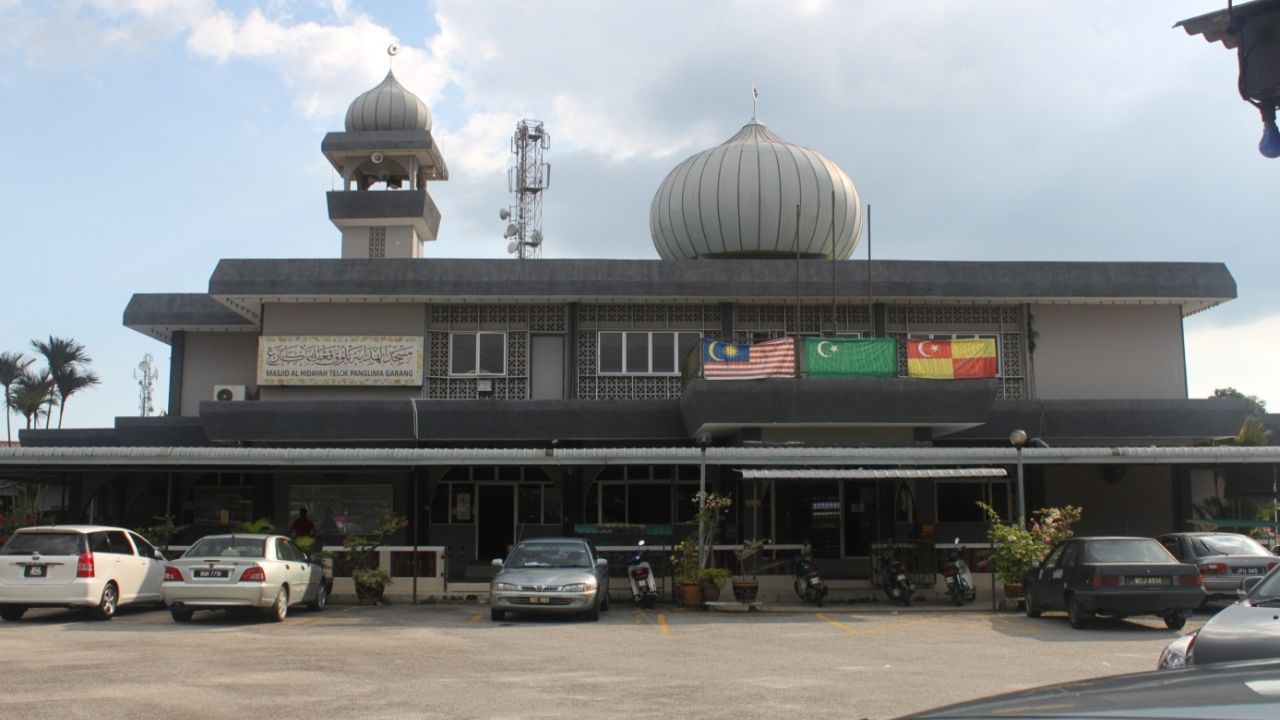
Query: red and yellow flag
(946, 359)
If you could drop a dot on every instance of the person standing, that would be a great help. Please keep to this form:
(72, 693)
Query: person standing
(303, 527)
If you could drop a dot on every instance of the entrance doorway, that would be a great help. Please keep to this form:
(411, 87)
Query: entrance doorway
(809, 512)
(495, 520)
(861, 517)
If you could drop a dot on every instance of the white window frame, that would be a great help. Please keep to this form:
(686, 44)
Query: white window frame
(964, 336)
(476, 365)
(650, 333)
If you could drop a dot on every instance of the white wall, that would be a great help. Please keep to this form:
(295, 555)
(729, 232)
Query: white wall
(216, 359)
(1111, 351)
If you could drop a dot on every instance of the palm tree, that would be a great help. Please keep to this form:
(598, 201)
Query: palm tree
(32, 394)
(67, 381)
(12, 365)
(63, 355)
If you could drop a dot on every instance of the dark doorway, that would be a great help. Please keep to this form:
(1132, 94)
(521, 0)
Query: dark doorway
(495, 520)
(861, 517)
(810, 512)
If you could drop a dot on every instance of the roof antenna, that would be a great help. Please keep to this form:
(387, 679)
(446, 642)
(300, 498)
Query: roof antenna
(392, 49)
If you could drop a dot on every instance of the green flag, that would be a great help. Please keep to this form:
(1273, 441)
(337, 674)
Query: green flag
(832, 357)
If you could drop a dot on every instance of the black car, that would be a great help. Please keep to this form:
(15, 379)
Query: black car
(1228, 691)
(1225, 560)
(1116, 576)
(1246, 630)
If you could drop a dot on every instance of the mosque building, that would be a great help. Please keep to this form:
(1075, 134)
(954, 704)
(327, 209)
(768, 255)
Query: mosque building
(493, 400)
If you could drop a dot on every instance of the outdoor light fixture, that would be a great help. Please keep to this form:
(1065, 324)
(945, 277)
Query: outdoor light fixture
(1019, 438)
(1253, 30)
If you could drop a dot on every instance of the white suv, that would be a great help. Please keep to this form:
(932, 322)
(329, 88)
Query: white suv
(86, 566)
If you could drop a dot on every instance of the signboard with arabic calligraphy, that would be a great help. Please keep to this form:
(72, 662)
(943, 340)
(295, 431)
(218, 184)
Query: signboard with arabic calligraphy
(339, 360)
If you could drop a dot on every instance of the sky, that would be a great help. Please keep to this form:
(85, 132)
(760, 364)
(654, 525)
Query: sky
(144, 140)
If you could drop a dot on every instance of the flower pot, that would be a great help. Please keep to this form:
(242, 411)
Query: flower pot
(1013, 591)
(746, 591)
(689, 594)
(710, 593)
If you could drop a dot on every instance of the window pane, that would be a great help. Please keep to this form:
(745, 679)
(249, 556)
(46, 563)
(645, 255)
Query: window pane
(958, 501)
(531, 504)
(687, 342)
(664, 352)
(551, 505)
(637, 352)
(650, 504)
(462, 358)
(613, 505)
(686, 508)
(493, 354)
(610, 352)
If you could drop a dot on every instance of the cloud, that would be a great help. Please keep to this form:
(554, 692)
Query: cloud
(1238, 356)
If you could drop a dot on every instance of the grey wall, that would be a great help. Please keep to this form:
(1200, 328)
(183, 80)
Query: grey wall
(1117, 499)
(1111, 351)
(342, 319)
(216, 359)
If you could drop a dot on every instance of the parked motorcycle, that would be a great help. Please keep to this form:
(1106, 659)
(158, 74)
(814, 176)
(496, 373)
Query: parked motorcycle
(958, 578)
(644, 590)
(894, 579)
(808, 584)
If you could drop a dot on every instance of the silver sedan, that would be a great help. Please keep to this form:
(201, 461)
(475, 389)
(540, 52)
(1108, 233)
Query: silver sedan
(551, 575)
(239, 571)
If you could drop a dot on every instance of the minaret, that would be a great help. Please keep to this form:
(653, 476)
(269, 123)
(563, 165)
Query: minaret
(385, 158)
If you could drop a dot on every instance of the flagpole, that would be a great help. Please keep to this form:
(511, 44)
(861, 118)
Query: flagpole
(797, 268)
(871, 310)
(833, 263)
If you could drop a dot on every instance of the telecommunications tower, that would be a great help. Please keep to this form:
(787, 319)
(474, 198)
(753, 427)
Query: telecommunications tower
(526, 181)
(146, 374)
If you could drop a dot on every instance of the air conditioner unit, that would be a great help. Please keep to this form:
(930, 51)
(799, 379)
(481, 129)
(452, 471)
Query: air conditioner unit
(228, 393)
(484, 387)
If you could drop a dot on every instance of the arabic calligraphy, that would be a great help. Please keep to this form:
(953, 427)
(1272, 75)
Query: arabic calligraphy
(284, 360)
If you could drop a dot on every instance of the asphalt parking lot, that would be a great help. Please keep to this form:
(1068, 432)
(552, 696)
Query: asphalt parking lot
(451, 661)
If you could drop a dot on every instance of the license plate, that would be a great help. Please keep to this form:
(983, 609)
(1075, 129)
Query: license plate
(1247, 570)
(539, 601)
(900, 578)
(35, 571)
(815, 581)
(206, 573)
(1149, 580)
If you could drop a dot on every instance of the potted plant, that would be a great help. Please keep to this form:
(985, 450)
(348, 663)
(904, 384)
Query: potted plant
(1015, 549)
(162, 533)
(746, 588)
(370, 578)
(684, 564)
(712, 579)
(711, 510)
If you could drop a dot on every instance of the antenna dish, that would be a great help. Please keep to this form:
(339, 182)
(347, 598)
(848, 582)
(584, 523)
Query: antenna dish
(536, 237)
(376, 157)
(512, 246)
(512, 230)
(504, 214)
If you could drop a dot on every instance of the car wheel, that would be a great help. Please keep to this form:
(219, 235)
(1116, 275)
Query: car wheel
(497, 615)
(12, 613)
(1175, 621)
(594, 613)
(182, 616)
(322, 599)
(106, 608)
(280, 608)
(1033, 610)
(1077, 615)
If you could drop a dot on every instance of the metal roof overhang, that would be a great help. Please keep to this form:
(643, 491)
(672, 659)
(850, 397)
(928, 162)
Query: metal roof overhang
(871, 473)
(43, 458)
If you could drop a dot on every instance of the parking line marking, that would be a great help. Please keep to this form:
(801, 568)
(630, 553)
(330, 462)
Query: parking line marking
(474, 618)
(1022, 625)
(847, 628)
(663, 628)
(639, 617)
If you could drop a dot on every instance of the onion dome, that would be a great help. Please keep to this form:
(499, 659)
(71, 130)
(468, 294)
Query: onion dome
(389, 106)
(739, 199)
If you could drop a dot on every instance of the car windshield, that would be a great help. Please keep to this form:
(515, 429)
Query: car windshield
(45, 543)
(228, 547)
(1227, 545)
(549, 555)
(1127, 551)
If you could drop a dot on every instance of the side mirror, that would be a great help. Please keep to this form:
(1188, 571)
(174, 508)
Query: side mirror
(1248, 585)
(497, 562)
(160, 554)
(602, 563)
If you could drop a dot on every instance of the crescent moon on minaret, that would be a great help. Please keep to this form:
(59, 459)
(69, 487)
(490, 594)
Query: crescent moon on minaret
(711, 352)
(923, 349)
(820, 352)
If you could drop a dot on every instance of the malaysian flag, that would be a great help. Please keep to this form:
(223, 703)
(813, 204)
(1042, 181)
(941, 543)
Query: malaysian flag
(745, 361)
